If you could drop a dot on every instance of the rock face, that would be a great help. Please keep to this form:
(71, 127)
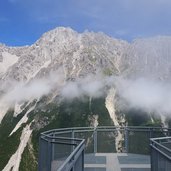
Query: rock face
(81, 54)
(151, 57)
(34, 79)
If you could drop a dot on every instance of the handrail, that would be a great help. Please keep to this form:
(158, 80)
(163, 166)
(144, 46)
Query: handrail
(77, 144)
(154, 142)
(160, 154)
(104, 127)
(57, 136)
(63, 138)
(70, 157)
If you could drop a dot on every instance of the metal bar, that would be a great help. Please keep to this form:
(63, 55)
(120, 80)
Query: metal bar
(83, 160)
(79, 148)
(95, 140)
(106, 127)
(78, 131)
(60, 142)
(161, 152)
(162, 146)
(126, 140)
(49, 159)
(160, 138)
(62, 138)
(40, 156)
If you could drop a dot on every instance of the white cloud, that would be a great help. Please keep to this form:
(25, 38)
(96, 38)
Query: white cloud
(22, 92)
(145, 94)
(92, 85)
(71, 90)
(141, 93)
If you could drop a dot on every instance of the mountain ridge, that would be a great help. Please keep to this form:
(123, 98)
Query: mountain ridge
(72, 79)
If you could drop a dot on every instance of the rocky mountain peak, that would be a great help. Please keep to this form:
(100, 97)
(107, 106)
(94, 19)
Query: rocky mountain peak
(57, 35)
(36, 82)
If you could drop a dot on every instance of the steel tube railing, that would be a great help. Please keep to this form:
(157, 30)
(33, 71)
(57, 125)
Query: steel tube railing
(64, 147)
(160, 154)
(72, 158)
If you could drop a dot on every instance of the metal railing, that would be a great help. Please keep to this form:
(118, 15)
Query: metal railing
(63, 149)
(60, 153)
(161, 154)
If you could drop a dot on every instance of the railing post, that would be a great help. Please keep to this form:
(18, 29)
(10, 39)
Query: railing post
(83, 160)
(151, 133)
(126, 140)
(73, 136)
(40, 161)
(53, 148)
(152, 155)
(49, 155)
(95, 140)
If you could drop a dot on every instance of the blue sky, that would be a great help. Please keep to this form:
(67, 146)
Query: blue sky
(22, 22)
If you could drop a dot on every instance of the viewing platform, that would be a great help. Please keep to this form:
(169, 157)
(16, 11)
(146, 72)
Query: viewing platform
(105, 149)
(116, 162)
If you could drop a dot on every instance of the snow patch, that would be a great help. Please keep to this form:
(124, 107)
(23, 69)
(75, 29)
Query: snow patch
(18, 109)
(24, 119)
(14, 162)
(8, 60)
(110, 105)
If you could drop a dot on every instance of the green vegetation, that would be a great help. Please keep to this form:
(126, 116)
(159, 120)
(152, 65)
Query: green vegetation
(28, 162)
(75, 113)
(136, 117)
(140, 118)
(8, 145)
(136, 145)
(106, 142)
(98, 107)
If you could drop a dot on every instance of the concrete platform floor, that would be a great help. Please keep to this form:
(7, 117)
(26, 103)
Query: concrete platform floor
(116, 162)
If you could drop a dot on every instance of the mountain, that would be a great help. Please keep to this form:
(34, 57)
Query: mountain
(70, 79)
